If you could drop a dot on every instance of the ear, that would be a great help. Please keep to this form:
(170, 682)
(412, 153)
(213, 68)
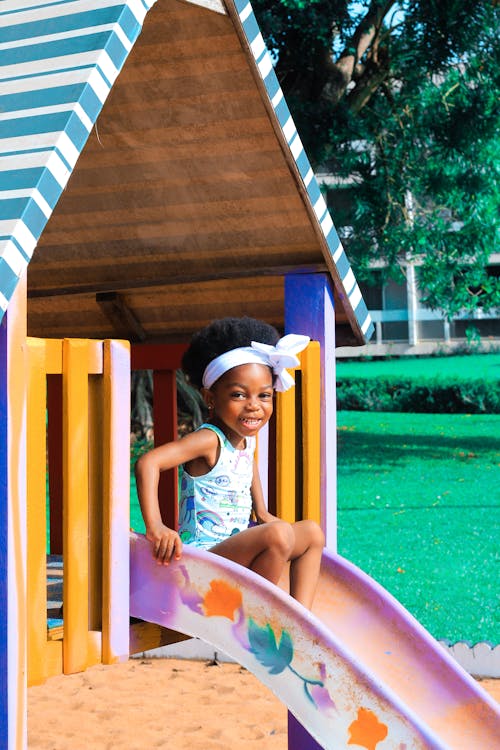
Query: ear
(208, 397)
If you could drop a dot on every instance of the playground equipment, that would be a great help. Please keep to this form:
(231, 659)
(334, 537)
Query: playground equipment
(359, 670)
(240, 223)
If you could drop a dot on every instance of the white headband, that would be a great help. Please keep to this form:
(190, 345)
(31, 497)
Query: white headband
(278, 358)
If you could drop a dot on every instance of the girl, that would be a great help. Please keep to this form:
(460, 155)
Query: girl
(236, 363)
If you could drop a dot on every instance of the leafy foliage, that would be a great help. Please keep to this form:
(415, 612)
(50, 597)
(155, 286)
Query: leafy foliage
(400, 102)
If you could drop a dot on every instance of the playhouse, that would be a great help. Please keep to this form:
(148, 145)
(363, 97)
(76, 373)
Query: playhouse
(151, 180)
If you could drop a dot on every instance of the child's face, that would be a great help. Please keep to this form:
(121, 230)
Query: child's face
(243, 398)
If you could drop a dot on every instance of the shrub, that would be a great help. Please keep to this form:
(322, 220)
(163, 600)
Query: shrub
(453, 396)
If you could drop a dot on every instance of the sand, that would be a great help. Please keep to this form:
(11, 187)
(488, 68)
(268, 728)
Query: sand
(159, 703)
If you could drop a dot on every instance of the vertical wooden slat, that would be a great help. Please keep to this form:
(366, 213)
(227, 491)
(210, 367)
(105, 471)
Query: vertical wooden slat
(116, 490)
(311, 431)
(54, 407)
(96, 496)
(13, 384)
(75, 504)
(36, 515)
(165, 429)
(285, 456)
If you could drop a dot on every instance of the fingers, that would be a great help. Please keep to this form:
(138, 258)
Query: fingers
(167, 546)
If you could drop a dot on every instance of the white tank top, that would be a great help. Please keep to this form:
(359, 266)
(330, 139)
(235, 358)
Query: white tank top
(218, 504)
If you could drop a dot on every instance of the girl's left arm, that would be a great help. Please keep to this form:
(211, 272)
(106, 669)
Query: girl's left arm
(258, 503)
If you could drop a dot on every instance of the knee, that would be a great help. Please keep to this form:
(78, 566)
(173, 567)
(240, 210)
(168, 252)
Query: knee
(280, 537)
(314, 533)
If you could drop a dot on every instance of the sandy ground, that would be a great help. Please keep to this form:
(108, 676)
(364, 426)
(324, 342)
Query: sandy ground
(155, 703)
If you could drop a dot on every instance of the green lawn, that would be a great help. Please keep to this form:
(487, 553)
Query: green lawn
(480, 366)
(419, 510)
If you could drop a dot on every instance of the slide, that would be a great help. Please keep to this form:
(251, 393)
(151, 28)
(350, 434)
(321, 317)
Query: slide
(358, 672)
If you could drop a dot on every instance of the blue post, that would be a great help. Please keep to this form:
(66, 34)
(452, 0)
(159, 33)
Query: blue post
(309, 310)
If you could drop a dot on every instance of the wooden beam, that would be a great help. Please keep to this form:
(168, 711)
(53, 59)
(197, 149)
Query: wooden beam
(121, 317)
(108, 287)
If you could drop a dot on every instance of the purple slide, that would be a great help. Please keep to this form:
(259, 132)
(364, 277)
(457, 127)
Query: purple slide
(357, 672)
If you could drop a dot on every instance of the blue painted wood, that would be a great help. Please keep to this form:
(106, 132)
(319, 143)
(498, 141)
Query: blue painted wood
(4, 707)
(309, 310)
(298, 737)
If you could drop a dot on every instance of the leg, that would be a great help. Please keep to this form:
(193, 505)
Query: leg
(305, 561)
(264, 549)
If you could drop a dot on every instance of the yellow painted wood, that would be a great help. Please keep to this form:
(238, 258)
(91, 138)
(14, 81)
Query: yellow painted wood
(285, 456)
(36, 513)
(148, 635)
(75, 504)
(53, 658)
(311, 431)
(96, 500)
(53, 356)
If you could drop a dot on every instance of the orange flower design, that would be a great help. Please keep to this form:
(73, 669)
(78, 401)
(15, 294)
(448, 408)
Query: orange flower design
(222, 600)
(367, 731)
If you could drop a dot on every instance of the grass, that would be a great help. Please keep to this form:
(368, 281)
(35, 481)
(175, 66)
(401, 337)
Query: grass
(419, 510)
(470, 367)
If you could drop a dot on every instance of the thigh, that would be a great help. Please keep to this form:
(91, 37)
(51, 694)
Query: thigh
(244, 546)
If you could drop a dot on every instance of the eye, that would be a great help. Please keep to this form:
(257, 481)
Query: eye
(238, 395)
(266, 396)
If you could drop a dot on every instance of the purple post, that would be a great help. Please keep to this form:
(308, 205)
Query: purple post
(309, 310)
(4, 677)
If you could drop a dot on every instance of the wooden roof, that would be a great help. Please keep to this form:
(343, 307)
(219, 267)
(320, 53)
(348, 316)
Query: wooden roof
(192, 198)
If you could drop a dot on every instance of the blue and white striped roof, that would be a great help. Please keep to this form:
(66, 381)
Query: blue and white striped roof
(266, 70)
(58, 62)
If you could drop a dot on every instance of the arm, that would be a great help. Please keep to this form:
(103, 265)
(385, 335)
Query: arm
(202, 444)
(258, 503)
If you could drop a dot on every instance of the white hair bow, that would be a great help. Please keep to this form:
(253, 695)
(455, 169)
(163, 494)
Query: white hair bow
(278, 358)
(283, 356)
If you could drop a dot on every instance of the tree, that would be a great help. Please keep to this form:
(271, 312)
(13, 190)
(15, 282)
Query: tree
(400, 102)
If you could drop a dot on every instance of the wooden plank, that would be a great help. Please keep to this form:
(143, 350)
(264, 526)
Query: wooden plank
(311, 431)
(116, 491)
(36, 515)
(13, 385)
(165, 430)
(285, 456)
(75, 504)
(148, 635)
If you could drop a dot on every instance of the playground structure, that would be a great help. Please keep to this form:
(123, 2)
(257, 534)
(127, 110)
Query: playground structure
(374, 678)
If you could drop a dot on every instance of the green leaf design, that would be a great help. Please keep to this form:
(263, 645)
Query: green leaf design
(264, 647)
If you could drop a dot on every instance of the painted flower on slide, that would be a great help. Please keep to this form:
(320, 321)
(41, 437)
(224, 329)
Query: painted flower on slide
(222, 600)
(278, 657)
(367, 731)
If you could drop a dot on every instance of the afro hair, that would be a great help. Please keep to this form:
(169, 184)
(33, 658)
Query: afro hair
(221, 336)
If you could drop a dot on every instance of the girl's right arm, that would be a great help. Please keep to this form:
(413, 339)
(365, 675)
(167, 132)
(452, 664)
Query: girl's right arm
(201, 444)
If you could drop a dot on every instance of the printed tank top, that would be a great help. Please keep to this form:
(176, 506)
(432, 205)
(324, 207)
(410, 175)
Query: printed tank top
(218, 504)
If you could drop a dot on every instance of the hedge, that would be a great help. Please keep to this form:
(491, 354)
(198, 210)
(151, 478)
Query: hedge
(438, 396)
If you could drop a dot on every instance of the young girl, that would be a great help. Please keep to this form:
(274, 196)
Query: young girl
(236, 363)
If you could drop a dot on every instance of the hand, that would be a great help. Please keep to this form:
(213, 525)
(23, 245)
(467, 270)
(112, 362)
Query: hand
(166, 544)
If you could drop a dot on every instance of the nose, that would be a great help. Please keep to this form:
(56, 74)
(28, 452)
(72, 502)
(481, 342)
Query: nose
(253, 403)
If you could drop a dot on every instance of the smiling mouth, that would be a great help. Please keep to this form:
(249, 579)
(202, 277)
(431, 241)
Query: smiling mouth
(250, 421)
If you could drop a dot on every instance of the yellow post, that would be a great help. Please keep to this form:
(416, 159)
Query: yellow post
(36, 516)
(75, 504)
(285, 456)
(311, 431)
